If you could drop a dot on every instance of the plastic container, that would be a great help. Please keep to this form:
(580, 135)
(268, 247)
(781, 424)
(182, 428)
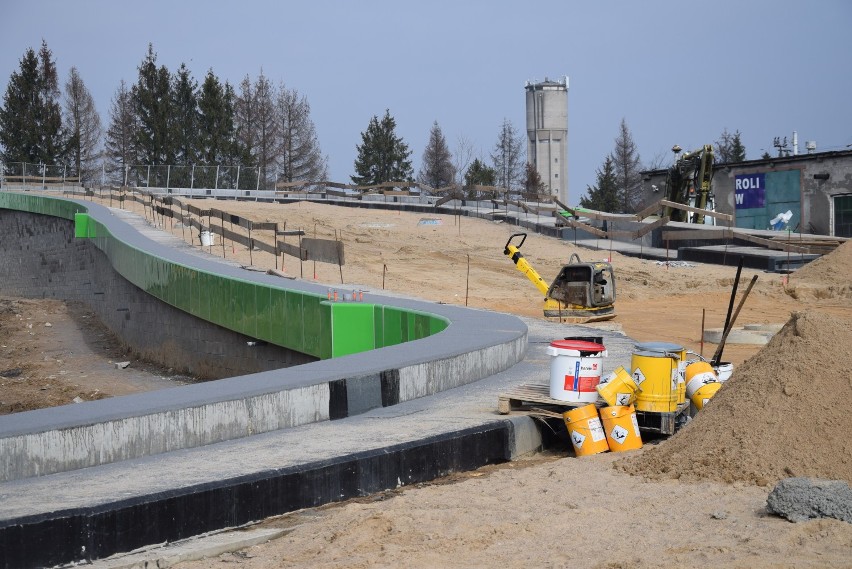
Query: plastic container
(585, 429)
(618, 388)
(575, 370)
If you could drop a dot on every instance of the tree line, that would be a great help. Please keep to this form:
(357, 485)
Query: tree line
(206, 132)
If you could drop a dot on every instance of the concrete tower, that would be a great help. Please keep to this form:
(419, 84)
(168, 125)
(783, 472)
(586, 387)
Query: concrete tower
(547, 133)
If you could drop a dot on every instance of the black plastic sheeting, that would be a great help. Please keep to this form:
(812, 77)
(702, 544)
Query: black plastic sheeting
(88, 534)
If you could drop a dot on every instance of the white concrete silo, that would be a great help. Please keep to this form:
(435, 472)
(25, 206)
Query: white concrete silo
(547, 133)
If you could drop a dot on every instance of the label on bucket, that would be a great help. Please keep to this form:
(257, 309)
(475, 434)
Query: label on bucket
(580, 383)
(619, 434)
(638, 376)
(635, 425)
(578, 439)
(596, 430)
(623, 398)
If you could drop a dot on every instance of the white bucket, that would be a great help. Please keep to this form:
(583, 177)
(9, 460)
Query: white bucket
(208, 238)
(575, 370)
(724, 371)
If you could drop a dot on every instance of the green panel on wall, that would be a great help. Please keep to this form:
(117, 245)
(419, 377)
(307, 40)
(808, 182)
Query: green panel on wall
(263, 319)
(378, 326)
(353, 327)
(292, 318)
(392, 326)
(81, 225)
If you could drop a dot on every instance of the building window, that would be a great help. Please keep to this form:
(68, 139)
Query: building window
(556, 175)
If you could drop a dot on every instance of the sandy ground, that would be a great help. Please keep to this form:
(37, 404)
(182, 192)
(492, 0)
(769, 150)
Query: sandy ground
(553, 510)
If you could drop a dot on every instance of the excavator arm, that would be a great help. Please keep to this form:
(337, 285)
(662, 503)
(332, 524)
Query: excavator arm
(688, 182)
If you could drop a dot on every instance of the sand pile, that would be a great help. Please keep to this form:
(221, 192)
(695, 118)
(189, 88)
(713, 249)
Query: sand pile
(787, 411)
(825, 277)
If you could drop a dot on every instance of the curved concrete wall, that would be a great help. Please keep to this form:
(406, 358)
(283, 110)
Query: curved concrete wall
(473, 345)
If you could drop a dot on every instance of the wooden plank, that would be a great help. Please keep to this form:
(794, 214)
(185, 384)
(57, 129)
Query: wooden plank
(691, 234)
(653, 208)
(768, 243)
(722, 216)
(584, 227)
(323, 250)
(649, 227)
(602, 216)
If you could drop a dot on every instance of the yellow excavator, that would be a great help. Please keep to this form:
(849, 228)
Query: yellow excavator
(580, 293)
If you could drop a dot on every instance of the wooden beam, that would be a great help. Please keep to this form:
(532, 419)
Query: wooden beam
(722, 216)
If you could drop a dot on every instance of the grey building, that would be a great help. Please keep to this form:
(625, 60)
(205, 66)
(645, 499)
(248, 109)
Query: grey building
(547, 133)
(815, 188)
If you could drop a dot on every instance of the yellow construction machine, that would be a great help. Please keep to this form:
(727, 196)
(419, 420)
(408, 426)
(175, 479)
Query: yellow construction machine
(580, 293)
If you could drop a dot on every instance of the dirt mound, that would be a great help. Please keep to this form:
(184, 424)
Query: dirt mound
(826, 277)
(784, 412)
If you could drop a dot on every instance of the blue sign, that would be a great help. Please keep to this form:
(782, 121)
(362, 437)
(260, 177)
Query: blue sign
(750, 191)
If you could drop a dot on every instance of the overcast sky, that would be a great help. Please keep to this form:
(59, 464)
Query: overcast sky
(676, 71)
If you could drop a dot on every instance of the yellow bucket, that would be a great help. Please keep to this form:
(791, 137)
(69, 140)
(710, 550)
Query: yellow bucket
(656, 374)
(704, 394)
(619, 388)
(621, 428)
(584, 427)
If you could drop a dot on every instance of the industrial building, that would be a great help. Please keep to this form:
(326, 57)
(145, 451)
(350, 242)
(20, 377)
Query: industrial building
(815, 188)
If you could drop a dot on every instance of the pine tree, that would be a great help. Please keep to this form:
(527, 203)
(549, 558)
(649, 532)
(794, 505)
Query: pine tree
(625, 158)
(605, 195)
(738, 151)
(31, 118)
(299, 154)
(729, 148)
(184, 117)
(382, 155)
(153, 109)
(84, 127)
(534, 188)
(216, 121)
(479, 174)
(19, 136)
(49, 113)
(507, 156)
(267, 125)
(437, 170)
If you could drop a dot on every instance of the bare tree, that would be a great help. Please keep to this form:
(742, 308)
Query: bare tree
(119, 147)
(267, 128)
(298, 153)
(627, 169)
(437, 170)
(83, 125)
(729, 148)
(245, 118)
(462, 158)
(507, 156)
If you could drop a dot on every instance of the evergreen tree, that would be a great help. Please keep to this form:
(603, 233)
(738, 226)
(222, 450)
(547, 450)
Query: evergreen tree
(153, 109)
(729, 148)
(19, 136)
(534, 188)
(479, 174)
(507, 156)
(299, 154)
(83, 126)
(437, 170)
(31, 118)
(382, 155)
(628, 169)
(184, 117)
(216, 121)
(49, 112)
(738, 149)
(605, 195)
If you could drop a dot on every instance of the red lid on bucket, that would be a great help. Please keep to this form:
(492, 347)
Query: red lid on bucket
(578, 345)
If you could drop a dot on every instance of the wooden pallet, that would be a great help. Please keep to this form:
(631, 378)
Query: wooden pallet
(529, 396)
(535, 399)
